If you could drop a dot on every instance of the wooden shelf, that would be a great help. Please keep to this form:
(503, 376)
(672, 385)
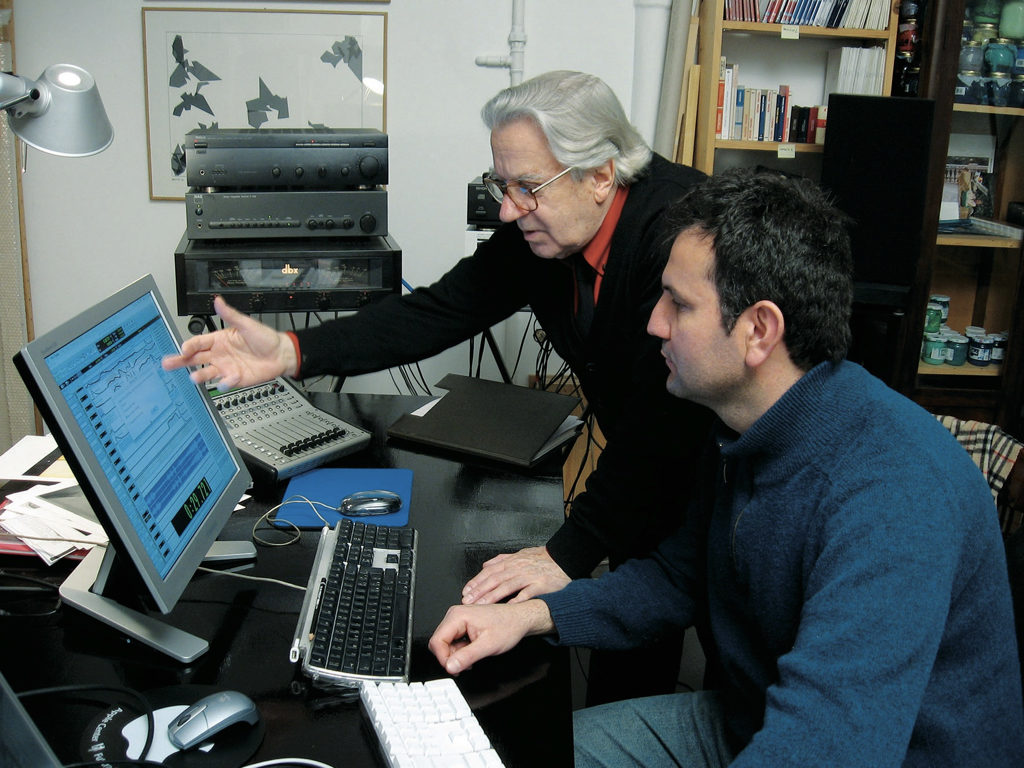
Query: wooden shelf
(982, 109)
(714, 28)
(776, 30)
(767, 146)
(978, 241)
(988, 371)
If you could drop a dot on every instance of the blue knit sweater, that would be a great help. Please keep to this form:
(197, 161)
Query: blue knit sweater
(847, 575)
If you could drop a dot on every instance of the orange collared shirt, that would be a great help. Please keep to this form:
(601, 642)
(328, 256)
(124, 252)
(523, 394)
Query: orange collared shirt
(595, 253)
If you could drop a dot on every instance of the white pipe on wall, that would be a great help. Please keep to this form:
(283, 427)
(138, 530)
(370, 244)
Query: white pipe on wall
(514, 62)
(649, 40)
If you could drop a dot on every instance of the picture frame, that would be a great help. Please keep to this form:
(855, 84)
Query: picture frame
(258, 69)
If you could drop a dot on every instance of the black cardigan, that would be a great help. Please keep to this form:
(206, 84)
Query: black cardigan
(643, 477)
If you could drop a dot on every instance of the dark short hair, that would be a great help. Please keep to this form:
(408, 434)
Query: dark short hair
(779, 239)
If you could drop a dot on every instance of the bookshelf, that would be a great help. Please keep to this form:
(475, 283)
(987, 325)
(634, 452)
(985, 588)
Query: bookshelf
(784, 52)
(982, 274)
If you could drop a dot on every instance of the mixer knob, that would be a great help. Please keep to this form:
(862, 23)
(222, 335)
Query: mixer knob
(368, 222)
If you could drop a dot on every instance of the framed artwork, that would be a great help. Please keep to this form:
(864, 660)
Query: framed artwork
(256, 69)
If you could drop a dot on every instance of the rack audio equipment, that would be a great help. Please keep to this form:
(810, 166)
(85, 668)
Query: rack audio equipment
(282, 157)
(482, 210)
(286, 213)
(280, 433)
(295, 275)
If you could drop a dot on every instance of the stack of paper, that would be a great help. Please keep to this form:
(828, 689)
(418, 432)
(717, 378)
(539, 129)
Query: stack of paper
(43, 510)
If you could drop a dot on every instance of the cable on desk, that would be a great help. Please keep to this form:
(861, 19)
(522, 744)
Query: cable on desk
(41, 586)
(131, 692)
(284, 761)
(248, 577)
(104, 763)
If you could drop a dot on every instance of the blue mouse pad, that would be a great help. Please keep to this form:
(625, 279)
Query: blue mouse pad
(329, 486)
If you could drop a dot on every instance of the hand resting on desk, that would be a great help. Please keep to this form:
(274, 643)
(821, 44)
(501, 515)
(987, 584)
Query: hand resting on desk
(523, 574)
(244, 353)
(468, 633)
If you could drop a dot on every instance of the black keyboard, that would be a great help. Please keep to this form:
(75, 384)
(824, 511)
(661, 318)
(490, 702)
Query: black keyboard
(356, 621)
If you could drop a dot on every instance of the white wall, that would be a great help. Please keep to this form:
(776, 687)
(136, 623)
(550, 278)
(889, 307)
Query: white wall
(91, 227)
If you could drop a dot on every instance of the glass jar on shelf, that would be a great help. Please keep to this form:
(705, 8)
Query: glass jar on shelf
(985, 32)
(1000, 55)
(986, 11)
(1011, 19)
(972, 56)
(1015, 98)
(998, 89)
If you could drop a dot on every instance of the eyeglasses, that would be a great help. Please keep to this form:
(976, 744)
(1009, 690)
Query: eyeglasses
(522, 196)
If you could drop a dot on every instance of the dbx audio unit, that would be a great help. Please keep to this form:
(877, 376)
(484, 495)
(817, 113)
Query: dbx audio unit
(297, 275)
(286, 213)
(307, 158)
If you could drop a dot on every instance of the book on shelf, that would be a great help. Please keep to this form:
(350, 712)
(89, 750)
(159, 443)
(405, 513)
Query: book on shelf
(838, 11)
(821, 16)
(721, 99)
(820, 124)
(728, 99)
(798, 124)
(778, 123)
(980, 226)
(770, 15)
(738, 109)
(783, 132)
(750, 110)
(855, 71)
(812, 125)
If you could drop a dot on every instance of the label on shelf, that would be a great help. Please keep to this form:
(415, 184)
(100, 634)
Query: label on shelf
(787, 150)
(790, 32)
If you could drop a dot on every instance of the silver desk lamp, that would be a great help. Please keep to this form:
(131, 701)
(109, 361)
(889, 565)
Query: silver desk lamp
(60, 113)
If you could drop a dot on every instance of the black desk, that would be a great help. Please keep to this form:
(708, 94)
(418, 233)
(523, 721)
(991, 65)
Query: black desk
(464, 513)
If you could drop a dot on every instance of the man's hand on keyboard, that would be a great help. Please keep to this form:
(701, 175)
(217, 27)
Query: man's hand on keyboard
(468, 633)
(524, 574)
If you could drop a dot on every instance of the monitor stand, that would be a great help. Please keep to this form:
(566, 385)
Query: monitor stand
(83, 590)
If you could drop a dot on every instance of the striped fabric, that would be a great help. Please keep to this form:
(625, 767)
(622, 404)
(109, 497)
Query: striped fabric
(995, 452)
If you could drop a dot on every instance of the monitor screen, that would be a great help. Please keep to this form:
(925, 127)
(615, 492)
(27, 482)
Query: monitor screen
(155, 462)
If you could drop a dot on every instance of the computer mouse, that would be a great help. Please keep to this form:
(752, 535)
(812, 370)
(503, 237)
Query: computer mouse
(210, 716)
(364, 503)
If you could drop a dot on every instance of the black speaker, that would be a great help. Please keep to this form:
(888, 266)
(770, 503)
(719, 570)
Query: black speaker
(875, 164)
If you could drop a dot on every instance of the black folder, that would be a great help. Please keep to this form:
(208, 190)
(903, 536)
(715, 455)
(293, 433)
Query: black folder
(492, 420)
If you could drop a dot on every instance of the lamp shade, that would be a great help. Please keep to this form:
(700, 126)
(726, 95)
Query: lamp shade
(66, 117)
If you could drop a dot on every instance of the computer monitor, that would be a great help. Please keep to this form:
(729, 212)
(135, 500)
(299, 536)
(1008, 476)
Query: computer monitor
(155, 462)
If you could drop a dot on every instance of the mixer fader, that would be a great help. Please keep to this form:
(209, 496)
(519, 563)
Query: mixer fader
(280, 433)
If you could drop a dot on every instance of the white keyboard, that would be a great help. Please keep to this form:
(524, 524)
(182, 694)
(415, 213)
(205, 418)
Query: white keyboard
(426, 725)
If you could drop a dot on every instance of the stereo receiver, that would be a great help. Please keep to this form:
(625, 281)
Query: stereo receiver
(286, 213)
(307, 158)
(297, 275)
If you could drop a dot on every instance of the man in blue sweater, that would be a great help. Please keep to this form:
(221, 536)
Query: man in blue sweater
(842, 564)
